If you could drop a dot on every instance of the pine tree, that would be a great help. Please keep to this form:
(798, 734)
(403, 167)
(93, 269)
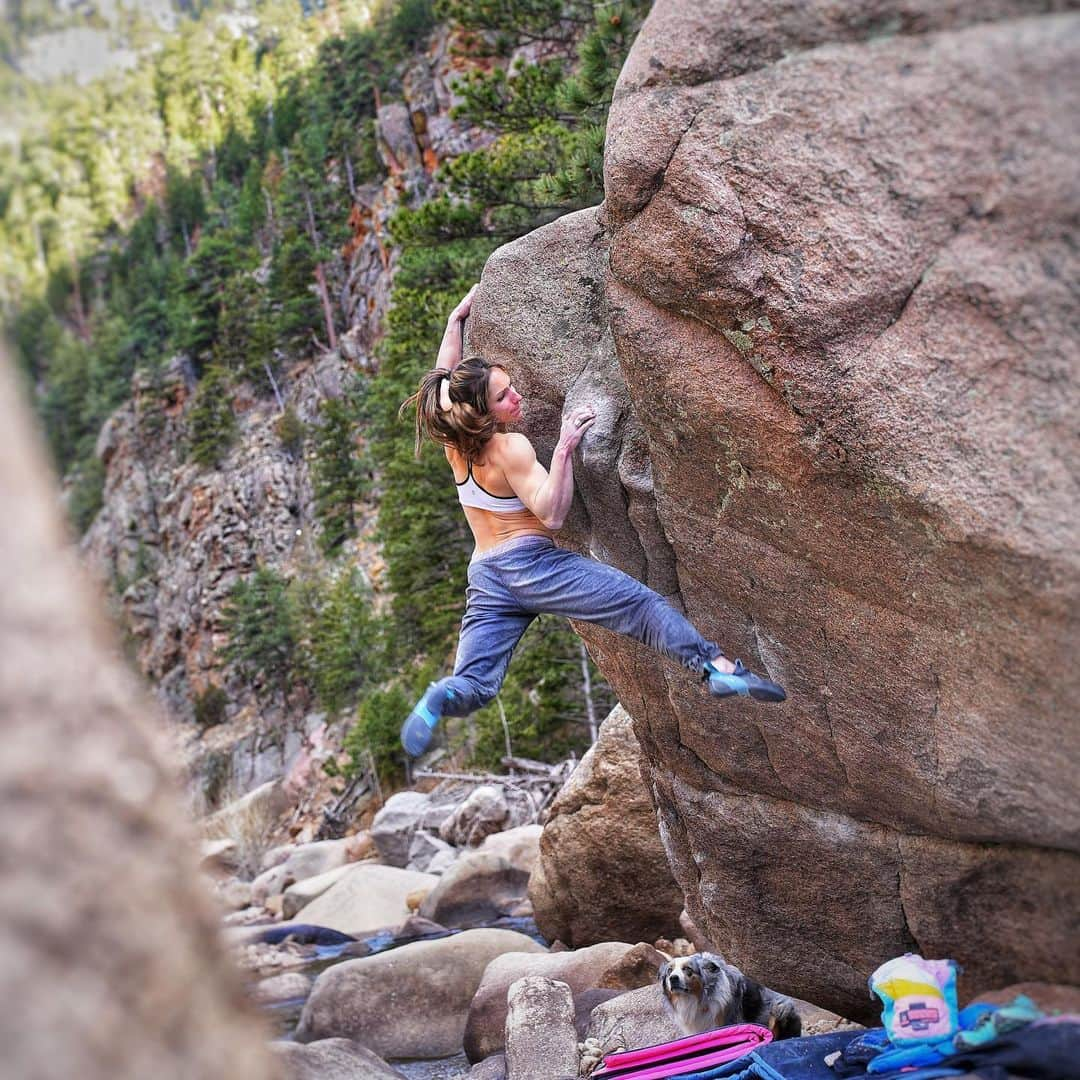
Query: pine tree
(344, 642)
(211, 422)
(261, 627)
(337, 475)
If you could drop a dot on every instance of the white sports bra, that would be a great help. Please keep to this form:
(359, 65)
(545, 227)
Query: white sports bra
(470, 493)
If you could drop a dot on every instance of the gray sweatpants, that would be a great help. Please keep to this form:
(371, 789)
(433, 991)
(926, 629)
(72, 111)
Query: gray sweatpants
(512, 583)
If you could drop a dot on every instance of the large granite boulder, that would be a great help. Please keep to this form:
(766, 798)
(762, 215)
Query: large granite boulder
(109, 950)
(410, 1002)
(603, 873)
(823, 317)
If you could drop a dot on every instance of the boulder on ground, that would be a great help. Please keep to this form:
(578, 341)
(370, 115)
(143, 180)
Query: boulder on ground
(797, 319)
(299, 863)
(393, 827)
(541, 1040)
(332, 1059)
(288, 986)
(217, 856)
(360, 846)
(234, 894)
(410, 1002)
(477, 889)
(427, 848)
(297, 896)
(520, 846)
(635, 1019)
(491, 1068)
(368, 897)
(604, 874)
(489, 809)
(441, 861)
(609, 965)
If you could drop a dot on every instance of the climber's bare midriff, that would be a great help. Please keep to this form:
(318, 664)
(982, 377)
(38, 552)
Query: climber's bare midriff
(488, 527)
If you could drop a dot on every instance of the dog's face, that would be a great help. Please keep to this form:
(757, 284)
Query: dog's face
(703, 977)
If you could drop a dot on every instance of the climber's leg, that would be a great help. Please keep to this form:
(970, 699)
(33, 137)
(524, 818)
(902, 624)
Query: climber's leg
(561, 582)
(490, 631)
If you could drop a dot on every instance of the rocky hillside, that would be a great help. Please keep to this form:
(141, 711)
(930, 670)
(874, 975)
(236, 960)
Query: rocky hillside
(173, 537)
(822, 315)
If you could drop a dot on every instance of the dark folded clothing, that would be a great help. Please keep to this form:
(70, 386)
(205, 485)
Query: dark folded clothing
(1047, 1050)
(1044, 1051)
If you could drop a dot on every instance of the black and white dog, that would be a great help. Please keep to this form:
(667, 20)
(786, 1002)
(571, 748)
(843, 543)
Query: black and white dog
(703, 992)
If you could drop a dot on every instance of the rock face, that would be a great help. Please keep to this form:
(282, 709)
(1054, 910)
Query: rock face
(822, 316)
(603, 872)
(489, 809)
(108, 945)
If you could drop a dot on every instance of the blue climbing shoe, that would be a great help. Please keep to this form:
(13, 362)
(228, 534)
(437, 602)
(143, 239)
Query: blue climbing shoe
(421, 723)
(742, 682)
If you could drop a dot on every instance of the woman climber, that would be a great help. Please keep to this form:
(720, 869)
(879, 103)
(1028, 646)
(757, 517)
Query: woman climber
(513, 506)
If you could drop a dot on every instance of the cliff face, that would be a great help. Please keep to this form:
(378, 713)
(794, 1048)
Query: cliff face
(824, 314)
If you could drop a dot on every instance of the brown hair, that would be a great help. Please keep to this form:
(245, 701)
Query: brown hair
(467, 425)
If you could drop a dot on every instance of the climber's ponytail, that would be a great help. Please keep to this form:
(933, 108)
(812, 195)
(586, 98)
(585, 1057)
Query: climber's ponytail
(466, 425)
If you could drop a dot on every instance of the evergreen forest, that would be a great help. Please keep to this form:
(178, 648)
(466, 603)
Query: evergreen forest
(196, 204)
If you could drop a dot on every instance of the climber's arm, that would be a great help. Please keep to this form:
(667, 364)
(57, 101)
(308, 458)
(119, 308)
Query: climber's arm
(547, 494)
(452, 342)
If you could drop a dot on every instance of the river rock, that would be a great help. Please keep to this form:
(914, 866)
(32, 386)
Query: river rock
(288, 986)
(635, 1019)
(541, 1041)
(604, 874)
(488, 809)
(609, 965)
(367, 897)
(478, 888)
(393, 826)
(296, 897)
(410, 1002)
(442, 860)
(298, 863)
(332, 1059)
(425, 848)
(519, 846)
(797, 315)
(492, 1068)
